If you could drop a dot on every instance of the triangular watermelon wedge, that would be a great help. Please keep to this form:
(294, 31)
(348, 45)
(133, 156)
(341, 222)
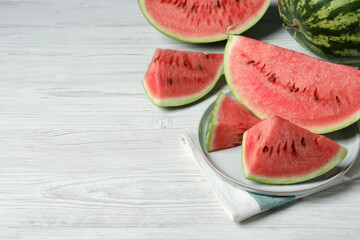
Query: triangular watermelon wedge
(176, 78)
(277, 151)
(229, 120)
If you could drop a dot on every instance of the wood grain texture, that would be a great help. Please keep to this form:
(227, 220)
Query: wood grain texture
(84, 154)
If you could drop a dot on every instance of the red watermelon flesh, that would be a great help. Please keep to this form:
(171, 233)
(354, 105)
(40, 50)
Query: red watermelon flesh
(229, 120)
(278, 152)
(177, 78)
(202, 20)
(270, 80)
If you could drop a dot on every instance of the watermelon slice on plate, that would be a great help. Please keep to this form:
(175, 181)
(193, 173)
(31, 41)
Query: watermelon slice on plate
(273, 81)
(227, 163)
(176, 78)
(229, 120)
(202, 20)
(276, 151)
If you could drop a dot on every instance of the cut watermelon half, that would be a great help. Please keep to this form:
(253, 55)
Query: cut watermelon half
(229, 120)
(269, 80)
(276, 151)
(176, 78)
(202, 20)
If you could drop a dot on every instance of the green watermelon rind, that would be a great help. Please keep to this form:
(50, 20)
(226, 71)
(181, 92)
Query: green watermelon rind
(216, 38)
(180, 101)
(290, 180)
(210, 136)
(321, 39)
(318, 129)
(337, 127)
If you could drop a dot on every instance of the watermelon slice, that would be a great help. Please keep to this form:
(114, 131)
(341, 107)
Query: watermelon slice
(269, 80)
(278, 152)
(202, 20)
(229, 120)
(176, 78)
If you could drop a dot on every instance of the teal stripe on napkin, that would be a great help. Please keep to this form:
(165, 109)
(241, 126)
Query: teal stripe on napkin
(268, 202)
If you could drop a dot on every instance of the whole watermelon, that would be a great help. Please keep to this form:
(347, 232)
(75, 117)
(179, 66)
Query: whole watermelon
(329, 28)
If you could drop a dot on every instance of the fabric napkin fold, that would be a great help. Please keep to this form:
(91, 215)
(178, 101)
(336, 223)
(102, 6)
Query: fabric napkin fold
(237, 203)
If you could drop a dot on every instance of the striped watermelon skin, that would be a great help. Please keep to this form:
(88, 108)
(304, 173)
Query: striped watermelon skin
(328, 28)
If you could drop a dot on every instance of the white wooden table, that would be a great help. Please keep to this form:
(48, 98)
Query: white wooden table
(84, 154)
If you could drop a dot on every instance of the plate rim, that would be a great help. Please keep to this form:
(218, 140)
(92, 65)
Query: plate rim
(269, 192)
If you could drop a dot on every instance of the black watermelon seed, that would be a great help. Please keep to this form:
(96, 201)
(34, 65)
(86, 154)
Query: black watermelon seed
(272, 79)
(303, 143)
(293, 148)
(207, 55)
(271, 150)
(250, 62)
(185, 63)
(265, 149)
(171, 81)
(338, 99)
(315, 94)
(278, 149)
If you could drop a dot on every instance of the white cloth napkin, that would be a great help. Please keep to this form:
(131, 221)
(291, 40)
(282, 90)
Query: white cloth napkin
(237, 203)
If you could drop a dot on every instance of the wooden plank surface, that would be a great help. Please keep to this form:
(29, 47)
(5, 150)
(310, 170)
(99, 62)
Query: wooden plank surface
(84, 154)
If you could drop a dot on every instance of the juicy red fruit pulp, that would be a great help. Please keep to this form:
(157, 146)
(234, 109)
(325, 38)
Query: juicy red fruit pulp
(202, 20)
(270, 80)
(174, 73)
(276, 148)
(230, 120)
